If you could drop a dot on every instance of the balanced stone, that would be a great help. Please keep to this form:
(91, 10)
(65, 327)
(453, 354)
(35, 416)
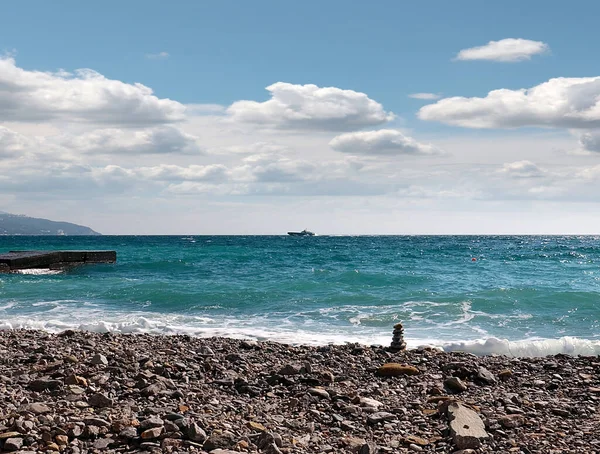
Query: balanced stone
(398, 342)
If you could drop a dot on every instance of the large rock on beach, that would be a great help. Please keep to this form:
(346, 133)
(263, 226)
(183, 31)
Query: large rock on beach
(395, 370)
(466, 427)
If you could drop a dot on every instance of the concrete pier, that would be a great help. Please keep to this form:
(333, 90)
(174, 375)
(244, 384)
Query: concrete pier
(21, 260)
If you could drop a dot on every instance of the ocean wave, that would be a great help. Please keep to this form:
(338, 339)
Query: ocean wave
(527, 347)
(291, 334)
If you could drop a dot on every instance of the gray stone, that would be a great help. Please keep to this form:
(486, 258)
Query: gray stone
(466, 427)
(13, 444)
(37, 408)
(100, 400)
(318, 392)
(264, 440)
(100, 360)
(455, 385)
(367, 402)
(102, 443)
(485, 376)
(290, 369)
(128, 432)
(153, 421)
(96, 422)
(196, 433)
(153, 389)
(24, 426)
(380, 416)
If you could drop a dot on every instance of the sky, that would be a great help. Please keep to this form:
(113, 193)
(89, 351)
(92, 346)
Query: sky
(236, 117)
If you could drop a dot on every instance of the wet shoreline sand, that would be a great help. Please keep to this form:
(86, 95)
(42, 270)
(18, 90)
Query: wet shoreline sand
(78, 392)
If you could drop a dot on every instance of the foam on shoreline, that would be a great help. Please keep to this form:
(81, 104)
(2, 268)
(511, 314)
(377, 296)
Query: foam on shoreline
(205, 327)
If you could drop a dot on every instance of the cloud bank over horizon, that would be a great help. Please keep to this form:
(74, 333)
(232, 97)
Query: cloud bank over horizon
(83, 141)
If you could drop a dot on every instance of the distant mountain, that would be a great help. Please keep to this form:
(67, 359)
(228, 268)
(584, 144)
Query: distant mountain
(15, 224)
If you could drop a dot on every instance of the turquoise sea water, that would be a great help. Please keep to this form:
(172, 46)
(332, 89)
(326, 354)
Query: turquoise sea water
(523, 295)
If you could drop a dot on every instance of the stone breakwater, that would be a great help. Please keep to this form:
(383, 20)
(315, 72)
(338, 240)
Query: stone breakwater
(79, 392)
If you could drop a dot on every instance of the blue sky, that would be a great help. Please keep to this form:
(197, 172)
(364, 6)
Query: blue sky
(216, 54)
(228, 50)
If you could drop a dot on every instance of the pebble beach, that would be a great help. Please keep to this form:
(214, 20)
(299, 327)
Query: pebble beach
(82, 392)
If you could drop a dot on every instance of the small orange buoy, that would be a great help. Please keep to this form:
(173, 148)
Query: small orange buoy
(473, 259)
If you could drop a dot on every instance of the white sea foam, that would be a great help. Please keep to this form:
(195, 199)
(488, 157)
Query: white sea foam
(38, 271)
(260, 329)
(527, 347)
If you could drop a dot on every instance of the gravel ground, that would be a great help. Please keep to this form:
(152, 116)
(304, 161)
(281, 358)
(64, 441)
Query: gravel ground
(80, 392)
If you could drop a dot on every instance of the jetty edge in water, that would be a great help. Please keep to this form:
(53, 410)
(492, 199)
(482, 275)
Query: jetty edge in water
(22, 260)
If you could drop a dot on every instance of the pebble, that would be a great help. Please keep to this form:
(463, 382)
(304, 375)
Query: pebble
(395, 370)
(319, 393)
(455, 385)
(99, 359)
(13, 444)
(37, 408)
(380, 416)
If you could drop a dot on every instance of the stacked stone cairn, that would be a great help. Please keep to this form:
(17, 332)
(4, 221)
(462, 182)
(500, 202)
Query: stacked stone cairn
(398, 338)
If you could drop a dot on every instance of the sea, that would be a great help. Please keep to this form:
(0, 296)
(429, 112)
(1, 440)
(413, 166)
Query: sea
(510, 295)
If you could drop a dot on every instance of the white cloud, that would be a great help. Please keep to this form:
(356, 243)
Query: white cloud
(257, 148)
(308, 107)
(421, 192)
(270, 168)
(166, 172)
(522, 169)
(83, 97)
(13, 143)
(382, 142)
(590, 173)
(560, 102)
(425, 96)
(204, 109)
(158, 56)
(158, 140)
(505, 50)
(590, 141)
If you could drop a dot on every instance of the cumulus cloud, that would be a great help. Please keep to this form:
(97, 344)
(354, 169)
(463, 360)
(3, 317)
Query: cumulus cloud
(505, 50)
(425, 96)
(309, 107)
(166, 172)
(13, 143)
(256, 148)
(269, 168)
(560, 102)
(158, 140)
(382, 142)
(522, 169)
(84, 96)
(63, 180)
(590, 141)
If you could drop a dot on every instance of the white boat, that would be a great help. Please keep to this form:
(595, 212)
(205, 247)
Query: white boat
(303, 233)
